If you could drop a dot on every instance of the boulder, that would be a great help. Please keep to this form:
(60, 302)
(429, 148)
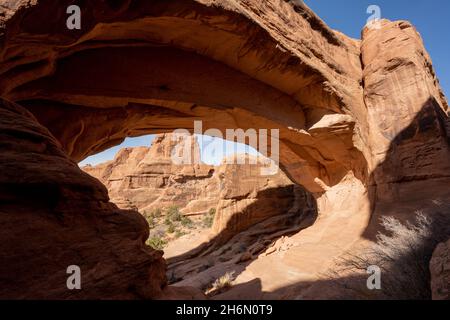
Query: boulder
(440, 272)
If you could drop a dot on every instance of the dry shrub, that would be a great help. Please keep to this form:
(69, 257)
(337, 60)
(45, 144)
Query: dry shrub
(403, 254)
(221, 284)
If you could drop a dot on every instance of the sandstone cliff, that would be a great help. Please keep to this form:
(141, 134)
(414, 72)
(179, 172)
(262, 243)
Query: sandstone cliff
(146, 178)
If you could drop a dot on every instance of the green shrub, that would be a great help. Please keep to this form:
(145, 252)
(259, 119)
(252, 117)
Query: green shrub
(171, 228)
(151, 221)
(186, 222)
(156, 213)
(179, 233)
(152, 217)
(173, 213)
(156, 243)
(208, 219)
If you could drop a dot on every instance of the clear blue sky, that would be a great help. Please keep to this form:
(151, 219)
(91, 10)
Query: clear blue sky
(431, 18)
(216, 151)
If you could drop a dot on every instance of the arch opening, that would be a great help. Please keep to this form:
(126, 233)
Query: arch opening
(209, 219)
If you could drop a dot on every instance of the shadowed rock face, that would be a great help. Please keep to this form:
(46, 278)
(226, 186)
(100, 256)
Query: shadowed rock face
(440, 272)
(53, 215)
(363, 124)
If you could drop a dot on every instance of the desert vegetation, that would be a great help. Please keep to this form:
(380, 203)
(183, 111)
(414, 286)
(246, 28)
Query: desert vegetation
(403, 253)
(221, 284)
(156, 243)
(209, 218)
(168, 224)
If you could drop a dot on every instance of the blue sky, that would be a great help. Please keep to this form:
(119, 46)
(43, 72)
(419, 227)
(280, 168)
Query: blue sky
(349, 16)
(212, 150)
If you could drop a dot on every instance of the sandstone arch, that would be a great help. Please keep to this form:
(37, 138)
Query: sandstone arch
(238, 71)
(140, 67)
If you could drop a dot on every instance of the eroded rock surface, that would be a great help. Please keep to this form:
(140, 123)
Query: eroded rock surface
(440, 272)
(148, 179)
(364, 126)
(408, 121)
(279, 75)
(53, 216)
(252, 210)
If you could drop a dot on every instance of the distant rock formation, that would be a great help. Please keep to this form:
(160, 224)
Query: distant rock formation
(146, 179)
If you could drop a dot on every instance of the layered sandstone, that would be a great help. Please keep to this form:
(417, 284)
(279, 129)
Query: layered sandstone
(440, 272)
(53, 216)
(408, 121)
(148, 178)
(364, 126)
(300, 77)
(247, 197)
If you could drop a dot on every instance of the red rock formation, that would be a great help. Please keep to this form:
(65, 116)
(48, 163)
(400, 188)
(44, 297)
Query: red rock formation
(367, 137)
(308, 77)
(247, 197)
(53, 215)
(440, 272)
(408, 121)
(406, 107)
(146, 178)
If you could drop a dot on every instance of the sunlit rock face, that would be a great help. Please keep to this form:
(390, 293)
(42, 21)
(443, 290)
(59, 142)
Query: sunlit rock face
(407, 109)
(364, 126)
(149, 178)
